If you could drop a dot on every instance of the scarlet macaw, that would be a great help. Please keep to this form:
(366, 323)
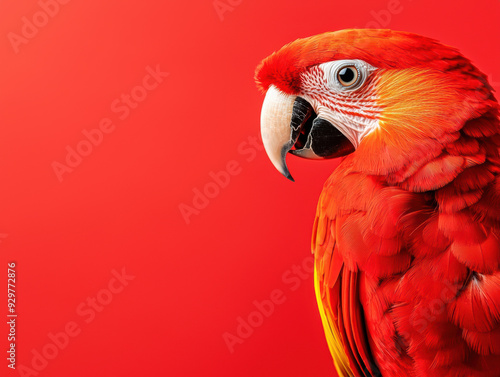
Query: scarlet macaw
(406, 234)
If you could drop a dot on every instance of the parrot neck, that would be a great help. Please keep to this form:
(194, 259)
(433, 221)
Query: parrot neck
(435, 162)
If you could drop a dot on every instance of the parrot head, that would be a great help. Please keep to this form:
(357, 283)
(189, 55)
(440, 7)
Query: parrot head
(385, 99)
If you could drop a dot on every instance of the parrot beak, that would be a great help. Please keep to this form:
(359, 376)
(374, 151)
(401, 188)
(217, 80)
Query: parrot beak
(289, 124)
(276, 127)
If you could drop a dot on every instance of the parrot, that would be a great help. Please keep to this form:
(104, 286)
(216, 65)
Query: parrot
(406, 236)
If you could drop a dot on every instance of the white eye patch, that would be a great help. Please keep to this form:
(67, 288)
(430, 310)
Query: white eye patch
(346, 75)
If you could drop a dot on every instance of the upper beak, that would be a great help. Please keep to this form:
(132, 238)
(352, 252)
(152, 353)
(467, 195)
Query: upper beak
(281, 119)
(289, 121)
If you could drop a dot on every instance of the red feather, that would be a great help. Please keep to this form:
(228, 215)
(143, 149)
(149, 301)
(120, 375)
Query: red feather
(477, 308)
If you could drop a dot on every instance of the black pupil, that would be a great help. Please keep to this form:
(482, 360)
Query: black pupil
(346, 75)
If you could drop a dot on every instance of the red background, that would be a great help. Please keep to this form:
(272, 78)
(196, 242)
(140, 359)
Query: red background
(120, 206)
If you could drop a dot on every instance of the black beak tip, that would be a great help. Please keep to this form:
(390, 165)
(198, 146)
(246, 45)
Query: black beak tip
(286, 174)
(286, 148)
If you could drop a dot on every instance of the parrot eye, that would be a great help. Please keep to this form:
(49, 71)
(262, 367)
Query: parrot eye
(345, 75)
(348, 76)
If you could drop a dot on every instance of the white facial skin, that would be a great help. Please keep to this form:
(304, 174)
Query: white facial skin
(350, 107)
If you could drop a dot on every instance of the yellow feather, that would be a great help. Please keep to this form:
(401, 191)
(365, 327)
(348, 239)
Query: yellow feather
(332, 333)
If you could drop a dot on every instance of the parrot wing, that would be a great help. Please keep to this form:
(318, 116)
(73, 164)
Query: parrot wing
(359, 257)
(337, 293)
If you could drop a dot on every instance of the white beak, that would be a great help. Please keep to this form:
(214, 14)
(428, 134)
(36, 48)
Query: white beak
(275, 120)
